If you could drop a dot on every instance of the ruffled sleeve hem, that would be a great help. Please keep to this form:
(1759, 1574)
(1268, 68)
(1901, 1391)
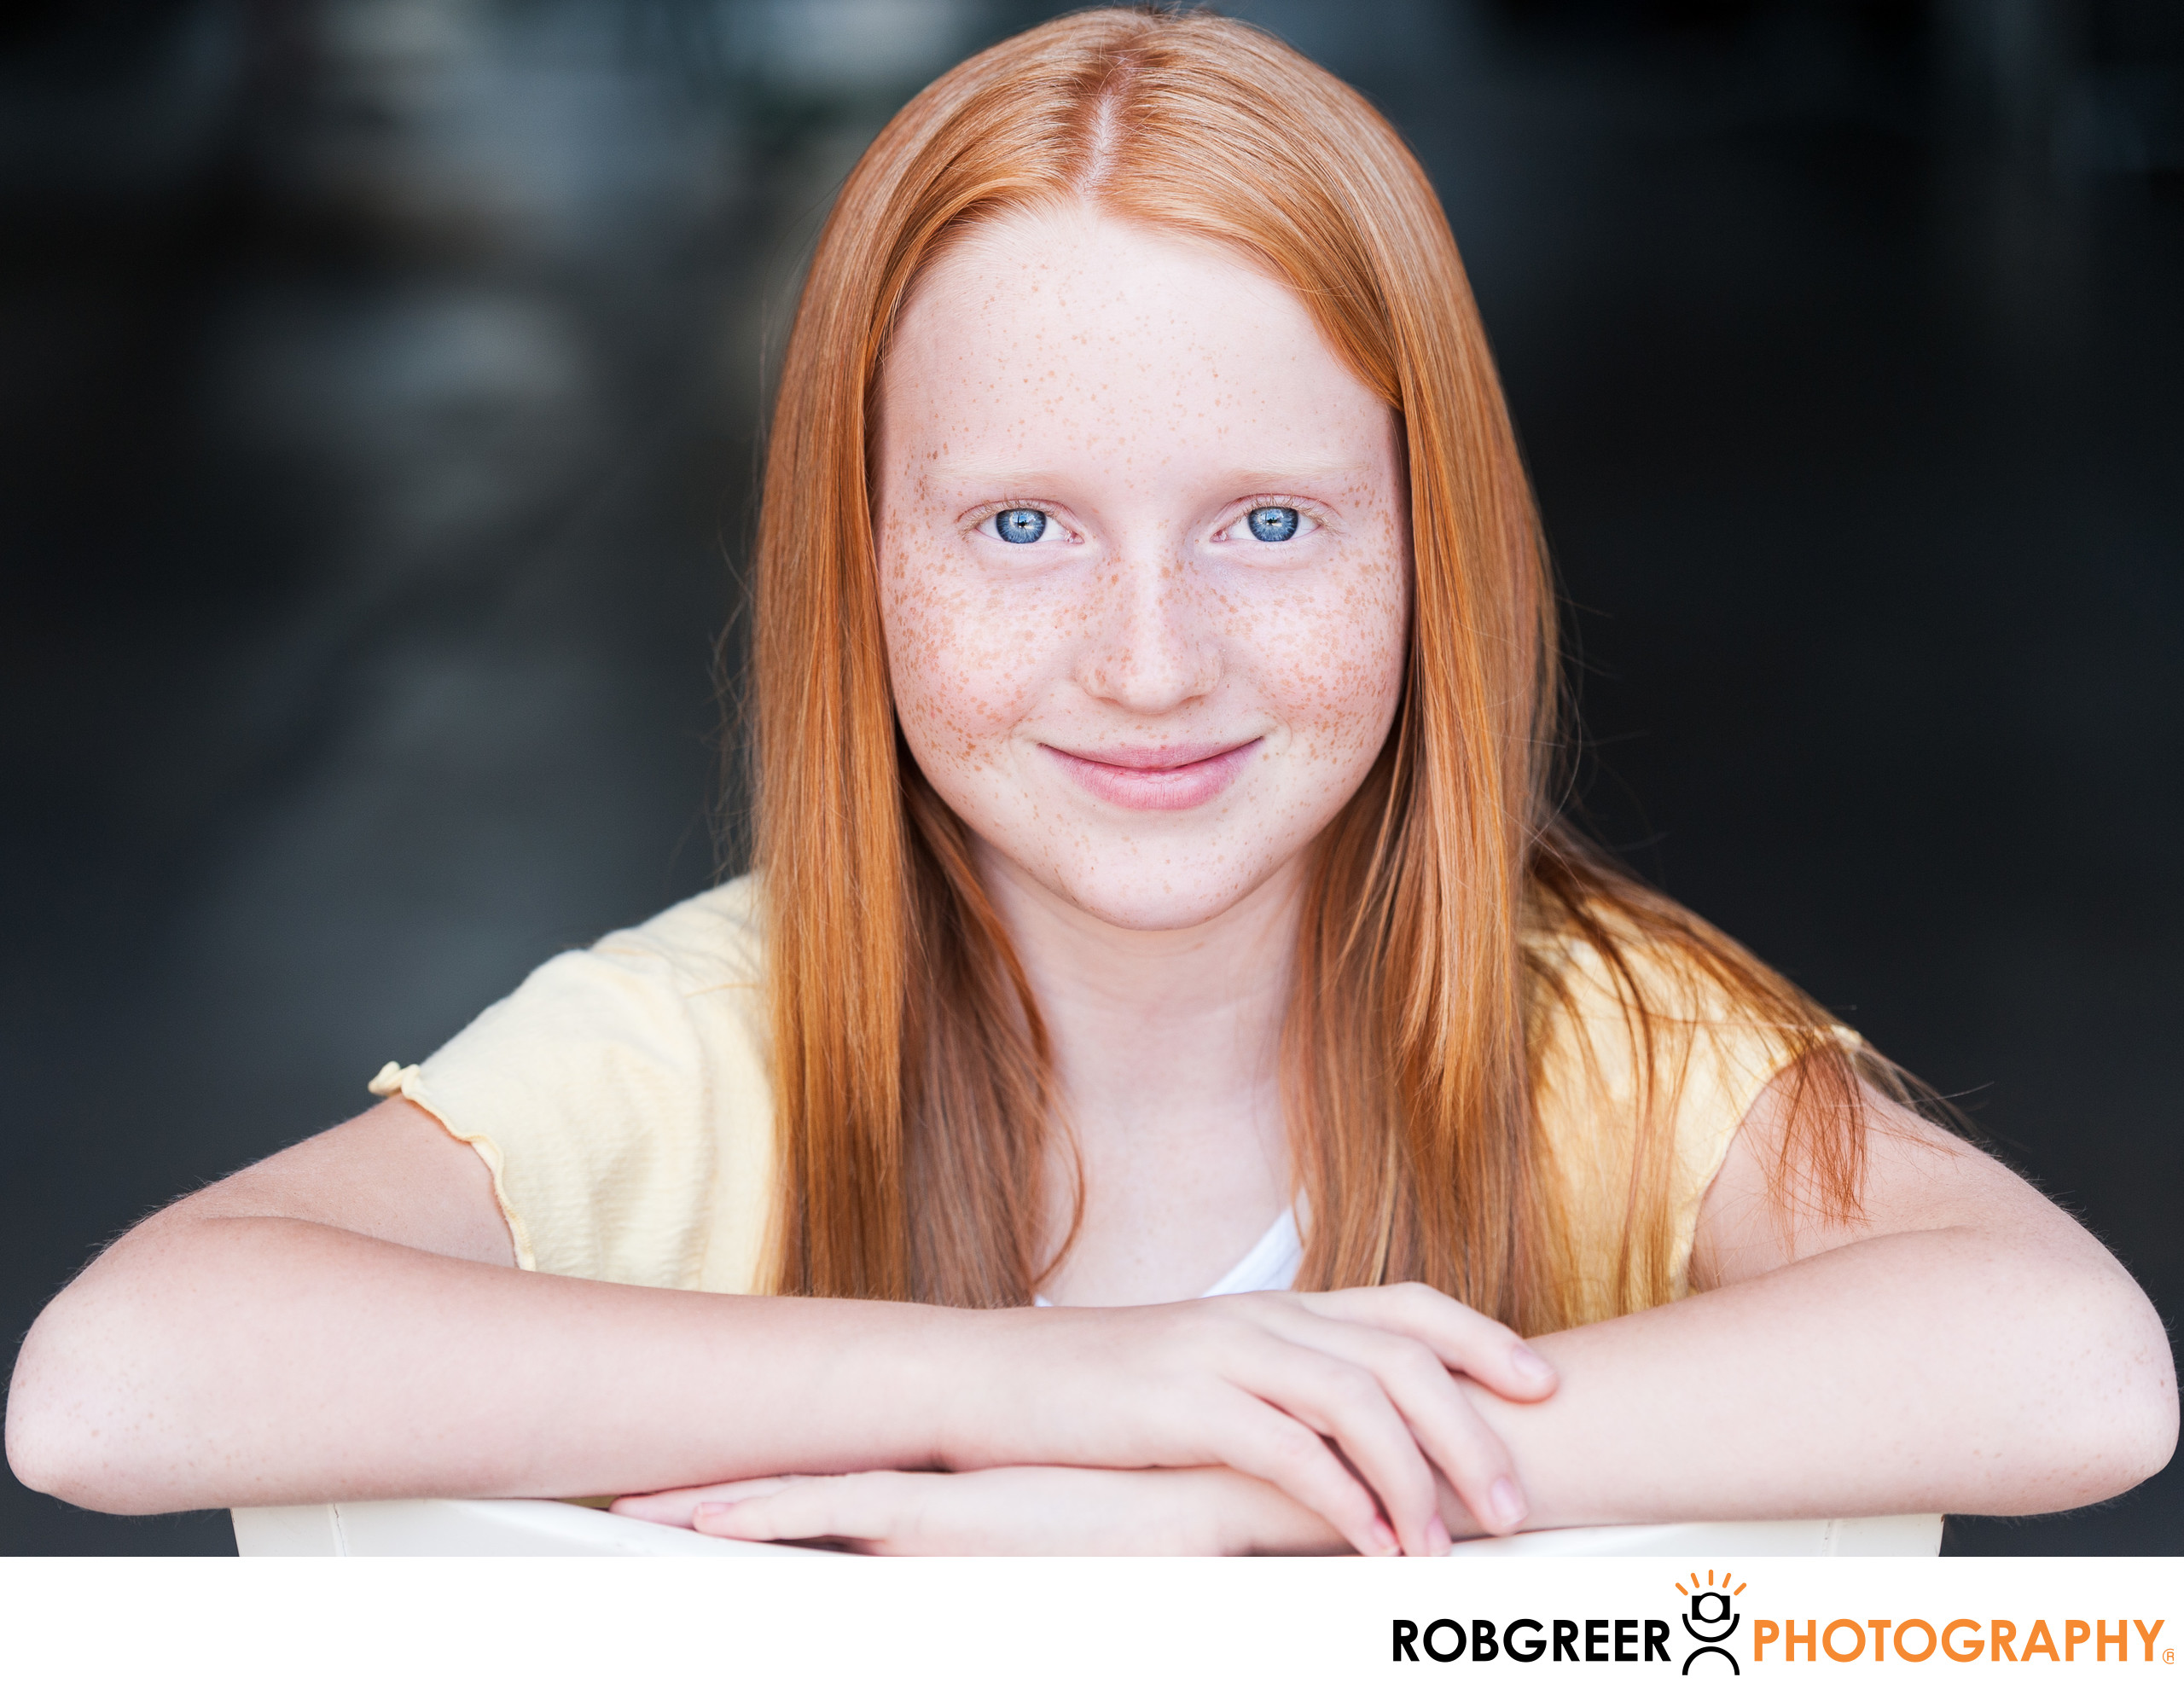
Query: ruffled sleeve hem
(394, 1080)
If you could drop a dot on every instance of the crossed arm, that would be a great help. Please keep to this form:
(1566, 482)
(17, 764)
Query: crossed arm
(1964, 1346)
(344, 1320)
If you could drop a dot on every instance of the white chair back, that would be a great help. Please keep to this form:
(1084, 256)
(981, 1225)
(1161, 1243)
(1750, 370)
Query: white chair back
(530, 1528)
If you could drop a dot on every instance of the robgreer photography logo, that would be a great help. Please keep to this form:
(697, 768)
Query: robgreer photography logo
(1710, 1640)
(1710, 1619)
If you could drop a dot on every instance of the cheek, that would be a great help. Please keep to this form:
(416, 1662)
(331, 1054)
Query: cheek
(963, 671)
(1336, 664)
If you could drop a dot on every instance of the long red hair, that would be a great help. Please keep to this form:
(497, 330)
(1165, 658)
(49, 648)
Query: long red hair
(913, 1082)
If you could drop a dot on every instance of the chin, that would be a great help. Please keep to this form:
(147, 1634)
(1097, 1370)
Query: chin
(1168, 899)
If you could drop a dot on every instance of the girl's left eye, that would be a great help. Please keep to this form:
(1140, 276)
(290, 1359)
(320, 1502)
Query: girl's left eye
(1271, 524)
(1023, 525)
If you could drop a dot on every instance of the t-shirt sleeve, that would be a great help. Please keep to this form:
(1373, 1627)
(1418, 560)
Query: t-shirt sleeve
(619, 1100)
(1712, 1058)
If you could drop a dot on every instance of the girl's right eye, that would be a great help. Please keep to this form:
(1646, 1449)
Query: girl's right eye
(1020, 527)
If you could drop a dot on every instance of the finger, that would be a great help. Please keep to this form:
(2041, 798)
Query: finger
(861, 1510)
(1395, 1508)
(1481, 1348)
(1433, 1403)
(674, 1506)
(1348, 1404)
(1267, 1442)
(1463, 1338)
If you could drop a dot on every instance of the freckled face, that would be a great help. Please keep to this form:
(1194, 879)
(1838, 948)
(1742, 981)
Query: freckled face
(1143, 565)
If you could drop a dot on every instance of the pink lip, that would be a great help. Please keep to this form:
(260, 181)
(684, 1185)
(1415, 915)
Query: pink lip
(1171, 777)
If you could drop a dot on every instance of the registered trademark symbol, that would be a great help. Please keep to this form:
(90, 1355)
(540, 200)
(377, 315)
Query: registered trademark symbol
(2168, 1656)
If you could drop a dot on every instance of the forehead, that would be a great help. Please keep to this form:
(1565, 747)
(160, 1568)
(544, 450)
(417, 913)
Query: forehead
(1070, 320)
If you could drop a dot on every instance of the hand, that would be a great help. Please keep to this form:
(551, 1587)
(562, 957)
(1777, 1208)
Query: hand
(1345, 1400)
(1002, 1510)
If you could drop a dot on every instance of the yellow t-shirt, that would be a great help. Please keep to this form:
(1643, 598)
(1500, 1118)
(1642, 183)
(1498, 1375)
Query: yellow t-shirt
(620, 1099)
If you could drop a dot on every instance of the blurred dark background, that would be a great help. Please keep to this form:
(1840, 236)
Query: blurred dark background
(379, 382)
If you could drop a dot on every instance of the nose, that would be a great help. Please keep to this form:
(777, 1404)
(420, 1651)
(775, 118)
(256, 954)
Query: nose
(1151, 647)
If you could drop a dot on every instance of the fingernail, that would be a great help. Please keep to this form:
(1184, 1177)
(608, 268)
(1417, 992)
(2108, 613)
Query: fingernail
(1532, 1363)
(1437, 1537)
(1508, 1503)
(1383, 1539)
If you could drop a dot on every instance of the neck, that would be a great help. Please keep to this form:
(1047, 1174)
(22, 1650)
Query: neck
(1158, 1031)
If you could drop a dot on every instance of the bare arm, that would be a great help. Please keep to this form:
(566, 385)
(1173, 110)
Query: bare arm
(1964, 1347)
(343, 1320)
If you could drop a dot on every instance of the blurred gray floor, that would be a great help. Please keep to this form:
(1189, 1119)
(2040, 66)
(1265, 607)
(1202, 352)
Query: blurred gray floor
(381, 386)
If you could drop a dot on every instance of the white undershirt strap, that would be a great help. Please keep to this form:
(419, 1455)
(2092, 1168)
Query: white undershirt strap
(1271, 1263)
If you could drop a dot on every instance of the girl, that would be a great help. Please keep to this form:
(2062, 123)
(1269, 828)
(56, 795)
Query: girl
(1159, 887)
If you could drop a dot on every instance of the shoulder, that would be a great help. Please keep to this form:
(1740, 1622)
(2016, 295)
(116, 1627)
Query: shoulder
(640, 988)
(1613, 1002)
(711, 942)
(620, 1097)
(1649, 1041)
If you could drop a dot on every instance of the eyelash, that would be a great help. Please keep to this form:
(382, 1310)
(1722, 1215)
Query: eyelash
(1304, 507)
(986, 513)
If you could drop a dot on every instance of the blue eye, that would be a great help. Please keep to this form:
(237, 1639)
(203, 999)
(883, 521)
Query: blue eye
(1273, 523)
(1020, 527)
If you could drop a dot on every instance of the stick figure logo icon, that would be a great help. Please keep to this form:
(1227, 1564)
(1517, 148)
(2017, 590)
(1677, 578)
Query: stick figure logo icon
(1712, 1620)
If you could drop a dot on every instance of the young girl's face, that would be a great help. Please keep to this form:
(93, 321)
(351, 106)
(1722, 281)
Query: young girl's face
(1143, 563)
